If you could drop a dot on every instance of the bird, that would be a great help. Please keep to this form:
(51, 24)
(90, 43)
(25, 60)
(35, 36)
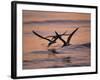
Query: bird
(58, 36)
(51, 41)
(70, 36)
(66, 43)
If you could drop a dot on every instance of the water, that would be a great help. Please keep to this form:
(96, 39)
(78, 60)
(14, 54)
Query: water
(35, 50)
(73, 56)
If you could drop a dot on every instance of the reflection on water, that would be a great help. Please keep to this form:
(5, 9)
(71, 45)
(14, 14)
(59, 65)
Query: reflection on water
(73, 56)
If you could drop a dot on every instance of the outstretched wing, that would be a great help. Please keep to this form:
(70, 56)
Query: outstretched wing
(54, 38)
(59, 36)
(63, 34)
(49, 36)
(53, 41)
(70, 36)
(40, 36)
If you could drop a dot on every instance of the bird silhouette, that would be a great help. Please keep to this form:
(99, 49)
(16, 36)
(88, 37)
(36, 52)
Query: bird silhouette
(51, 41)
(70, 36)
(66, 43)
(57, 36)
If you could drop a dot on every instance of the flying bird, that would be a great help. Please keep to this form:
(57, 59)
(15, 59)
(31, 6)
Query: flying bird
(57, 36)
(51, 41)
(66, 43)
(70, 36)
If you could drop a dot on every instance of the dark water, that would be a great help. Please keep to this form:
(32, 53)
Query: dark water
(72, 56)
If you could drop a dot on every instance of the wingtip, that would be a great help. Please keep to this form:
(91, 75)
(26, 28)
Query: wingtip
(33, 31)
(77, 28)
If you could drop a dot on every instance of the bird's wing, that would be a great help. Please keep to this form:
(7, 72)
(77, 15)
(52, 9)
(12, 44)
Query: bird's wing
(64, 33)
(70, 36)
(59, 36)
(49, 36)
(40, 36)
(53, 40)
